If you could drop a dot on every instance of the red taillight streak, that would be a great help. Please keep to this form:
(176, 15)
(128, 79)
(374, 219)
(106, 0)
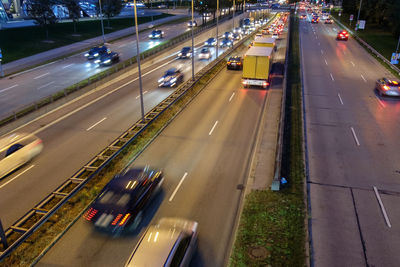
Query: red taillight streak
(386, 87)
(90, 214)
(116, 219)
(124, 219)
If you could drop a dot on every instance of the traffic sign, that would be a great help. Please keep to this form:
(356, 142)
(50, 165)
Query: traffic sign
(1, 55)
(395, 58)
(351, 17)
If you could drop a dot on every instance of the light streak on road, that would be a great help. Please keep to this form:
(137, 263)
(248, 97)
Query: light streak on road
(177, 187)
(233, 94)
(382, 207)
(340, 99)
(8, 88)
(332, 77)
(69, 65)
(212, 129)
(40, 76)
(97, 123)
(355, 136)
(45, 85)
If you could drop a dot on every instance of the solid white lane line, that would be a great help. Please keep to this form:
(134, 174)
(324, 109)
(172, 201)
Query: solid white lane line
(363, 78)
(382, 207)
(355, 136)
(143, 93)
(341, 101)
(47, 84)
(233, 94)
(8, 88)
(97, 123)
(40, 76)
(212, 129)
(67, 66)
(122, 45)
(326, 63)
(27, 169)
(331, 76)
(352, 63)
(177, 187)
(380, 102)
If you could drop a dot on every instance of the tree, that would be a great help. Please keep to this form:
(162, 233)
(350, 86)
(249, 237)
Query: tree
(111, 8)
(74, 11)
(41, 12)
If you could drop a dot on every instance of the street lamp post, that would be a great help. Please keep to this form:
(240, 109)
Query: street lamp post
(101, 19)
(138, 61)
(216, 56)
(192, 40)
(358, 15)
(233, 17)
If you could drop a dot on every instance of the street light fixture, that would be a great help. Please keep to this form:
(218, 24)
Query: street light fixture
(138, 61)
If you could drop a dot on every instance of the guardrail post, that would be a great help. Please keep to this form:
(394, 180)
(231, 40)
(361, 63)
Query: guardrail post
(3, 236)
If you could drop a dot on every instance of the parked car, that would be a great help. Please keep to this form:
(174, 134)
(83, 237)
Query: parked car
(156, 34)
(205, 53)
(107, 59)
(186, 52)
(17, 149)
(170, 243)
(234, 63)
(96, 52)
(123, 200)
(210, 42)
(171, 78)
(387, 87)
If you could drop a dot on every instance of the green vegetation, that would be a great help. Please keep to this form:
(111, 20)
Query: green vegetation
(18, 43)
(273, 222)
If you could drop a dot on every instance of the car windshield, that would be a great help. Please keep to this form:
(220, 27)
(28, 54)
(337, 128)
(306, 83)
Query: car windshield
(185, 49)
(115, 198)
(204, 50)
(210, 40)
(170, 72)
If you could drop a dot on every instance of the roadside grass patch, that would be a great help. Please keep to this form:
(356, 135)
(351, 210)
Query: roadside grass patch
(276, 220)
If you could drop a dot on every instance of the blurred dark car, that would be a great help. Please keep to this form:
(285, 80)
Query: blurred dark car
(210, 42)
(328, 21)
(226, 42)
(186, 52)
(171, 78)
(234, 63)
(342, 35)
(227, 35)
(156, 34)
(387, 87)
(303, 16)
(96, 52)
(315, 19)
(107, 59)
(191, 24)
(122, 201)
(236, 36)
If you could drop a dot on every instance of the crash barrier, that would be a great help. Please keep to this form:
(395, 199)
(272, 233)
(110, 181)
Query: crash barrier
(368, 47)
(37, 216)
(104, 76)
(276, 181)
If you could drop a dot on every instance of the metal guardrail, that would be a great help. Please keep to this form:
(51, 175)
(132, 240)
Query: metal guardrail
(102, 76)
(38, 215)
(276, 182)
(367, 46)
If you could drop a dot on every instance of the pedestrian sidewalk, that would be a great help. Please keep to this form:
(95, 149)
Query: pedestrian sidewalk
(37, 59)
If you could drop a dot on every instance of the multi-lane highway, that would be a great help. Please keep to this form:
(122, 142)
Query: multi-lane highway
(204, 153)
(352, 144)
(24, 88)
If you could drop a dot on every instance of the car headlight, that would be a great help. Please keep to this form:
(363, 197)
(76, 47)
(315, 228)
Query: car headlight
(173, 80)
(161, 80)
(150, 36)
(97, 61)
(87, 54)
(180, 54)
(96, 54)
(107, 61)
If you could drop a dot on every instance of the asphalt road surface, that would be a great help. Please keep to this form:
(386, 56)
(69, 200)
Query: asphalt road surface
(352, 148)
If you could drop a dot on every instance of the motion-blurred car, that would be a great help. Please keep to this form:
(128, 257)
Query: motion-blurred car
(107, 59)
(388, 87)
(328, 21)
(16, 150)
(96, 51)
(237, 30)
(185, 53)
(156, 34)
(210, 42)
(234, 63)
(236, 36)
(303, 16)
(192, 24)
(170, 243)
(342, 35)
(171, 78)
(122, 201)
(227, 35)
(315, 19)
(226, 42)
(275, 35)
(205, 53)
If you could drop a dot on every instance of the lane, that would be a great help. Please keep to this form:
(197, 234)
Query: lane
(352, 147)
(73, 69)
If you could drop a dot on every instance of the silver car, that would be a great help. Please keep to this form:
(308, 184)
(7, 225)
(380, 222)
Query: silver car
(388, 87)
(171, 242)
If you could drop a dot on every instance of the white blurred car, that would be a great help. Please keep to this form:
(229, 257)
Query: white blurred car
(16, 150)
(205, 53)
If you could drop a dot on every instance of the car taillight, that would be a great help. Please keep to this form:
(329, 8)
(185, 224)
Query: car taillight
(90, 214)
(229, 62)
(115, 221)
(126, 217)
(244, 82)
(265, 84)
(386, 87)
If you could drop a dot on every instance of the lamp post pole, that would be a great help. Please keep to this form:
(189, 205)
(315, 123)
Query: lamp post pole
(216, 56)
(233, 18)
(192, 40)
(102, 25)
(358, 15)
(138, 61)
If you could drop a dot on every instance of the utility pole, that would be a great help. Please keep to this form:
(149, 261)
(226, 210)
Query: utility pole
(216, 56)
(233, 18)
(192, 40)
(138, 61)
(101, 18)
(358, 16)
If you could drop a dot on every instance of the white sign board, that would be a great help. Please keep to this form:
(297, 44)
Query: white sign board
(395, 58)
(351, 17)
(361, 24)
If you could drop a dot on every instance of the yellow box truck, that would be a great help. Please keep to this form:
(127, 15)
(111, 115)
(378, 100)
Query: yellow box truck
(256, 66)
(264, 41)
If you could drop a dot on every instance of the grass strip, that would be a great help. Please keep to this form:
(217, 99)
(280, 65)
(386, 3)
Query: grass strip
(26, 253)
(271, 230)
(17, 43)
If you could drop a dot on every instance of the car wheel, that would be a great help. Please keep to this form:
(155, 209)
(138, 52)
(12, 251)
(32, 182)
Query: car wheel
(136, 222)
